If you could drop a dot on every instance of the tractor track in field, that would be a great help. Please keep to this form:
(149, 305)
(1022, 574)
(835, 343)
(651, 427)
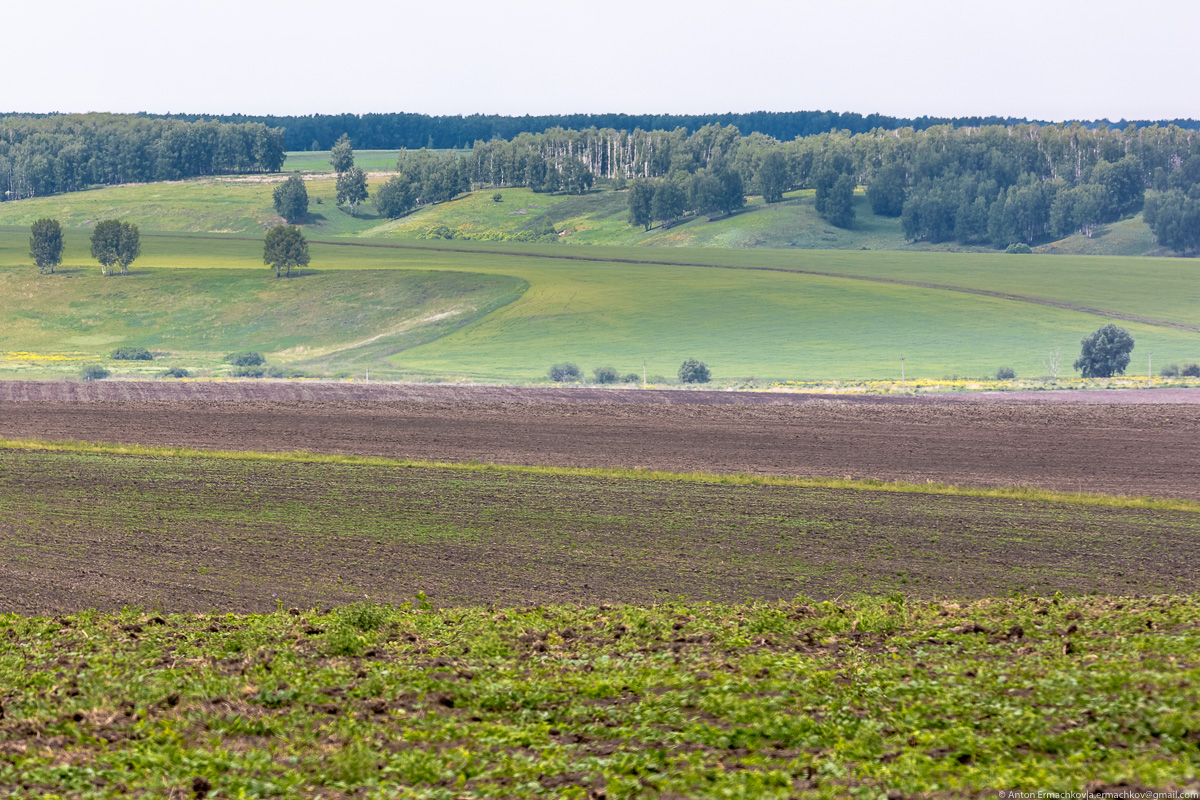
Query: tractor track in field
(1017, 298)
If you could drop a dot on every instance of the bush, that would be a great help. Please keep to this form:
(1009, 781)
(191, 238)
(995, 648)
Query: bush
(497, 197)
(1005, 374)
(632, 377)
(247, 359)
(1190, 371)
(1018, 248)
(176, 372)
(605, 375)
(693, 371)
(1169, 371)
(131, 354)
(249, 372)
(94, 372)
(565, 372)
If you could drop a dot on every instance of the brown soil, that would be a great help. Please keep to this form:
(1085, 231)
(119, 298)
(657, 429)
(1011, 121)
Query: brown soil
(1126, 442)
(179, 534)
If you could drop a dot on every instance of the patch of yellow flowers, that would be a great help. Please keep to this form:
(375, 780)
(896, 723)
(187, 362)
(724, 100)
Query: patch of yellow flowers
(12, 355)
(974, 384)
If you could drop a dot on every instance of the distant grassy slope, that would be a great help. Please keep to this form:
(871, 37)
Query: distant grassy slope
(743, 322)
(238, 205)
(243, 205)
(197, 316)
(369, 160)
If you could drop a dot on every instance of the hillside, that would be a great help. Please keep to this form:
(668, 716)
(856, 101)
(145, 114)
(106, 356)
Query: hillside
(762, 314)
(243, 205)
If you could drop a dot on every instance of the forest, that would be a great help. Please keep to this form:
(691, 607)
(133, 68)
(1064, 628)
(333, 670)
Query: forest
(412, 131)
(42, 155)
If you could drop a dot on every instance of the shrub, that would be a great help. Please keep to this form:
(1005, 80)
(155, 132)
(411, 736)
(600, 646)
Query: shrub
(565, 372)
(1169, 371)
(1018, 248)
(249, 372)
(497, 197)
(693, 371)
(93, 372)
(632, 377)
(605, 375)
(247, 359)
(363, 616)
(1190, 371)
(131, 354)
(176, 372)
(1005, 374)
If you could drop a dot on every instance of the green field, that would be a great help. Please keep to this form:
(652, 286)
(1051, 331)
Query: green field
(746, 319)
(474, 636)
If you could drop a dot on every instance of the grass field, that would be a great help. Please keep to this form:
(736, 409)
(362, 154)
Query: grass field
(598, 313)
(817, 692)
(329, 321)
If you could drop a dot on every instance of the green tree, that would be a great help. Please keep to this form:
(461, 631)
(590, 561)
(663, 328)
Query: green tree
(291, 200)
(667, 203)
(886, 191)
(129, 246)
(342, 155)
(693, 371)
(396, 197)
(115, 243)
(285, 248)
(46, 245)
(352, 188)
(772, 177)
(1174, 218)
(641, 195)
(835, 199)
(1105, 353)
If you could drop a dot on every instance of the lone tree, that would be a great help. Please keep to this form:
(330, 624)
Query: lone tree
(285, 247)
(352, 187)
(115, 244)
(291, 200)
(342, 155)
(1105, 353)
(641, 194)
(46, 245)
(693, 371)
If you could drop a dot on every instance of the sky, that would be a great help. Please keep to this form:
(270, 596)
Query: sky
(1038, 59)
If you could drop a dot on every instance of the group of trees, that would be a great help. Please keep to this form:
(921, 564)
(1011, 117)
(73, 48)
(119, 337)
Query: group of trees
(117, 244)
(423, 178)
(993, 185)
(713, 192)
(114, 244)
(63, 153)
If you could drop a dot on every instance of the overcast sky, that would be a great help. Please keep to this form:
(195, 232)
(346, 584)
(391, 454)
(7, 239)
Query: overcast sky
(1043, 59)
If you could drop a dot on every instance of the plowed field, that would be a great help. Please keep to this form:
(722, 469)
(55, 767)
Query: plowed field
(1140, 442)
